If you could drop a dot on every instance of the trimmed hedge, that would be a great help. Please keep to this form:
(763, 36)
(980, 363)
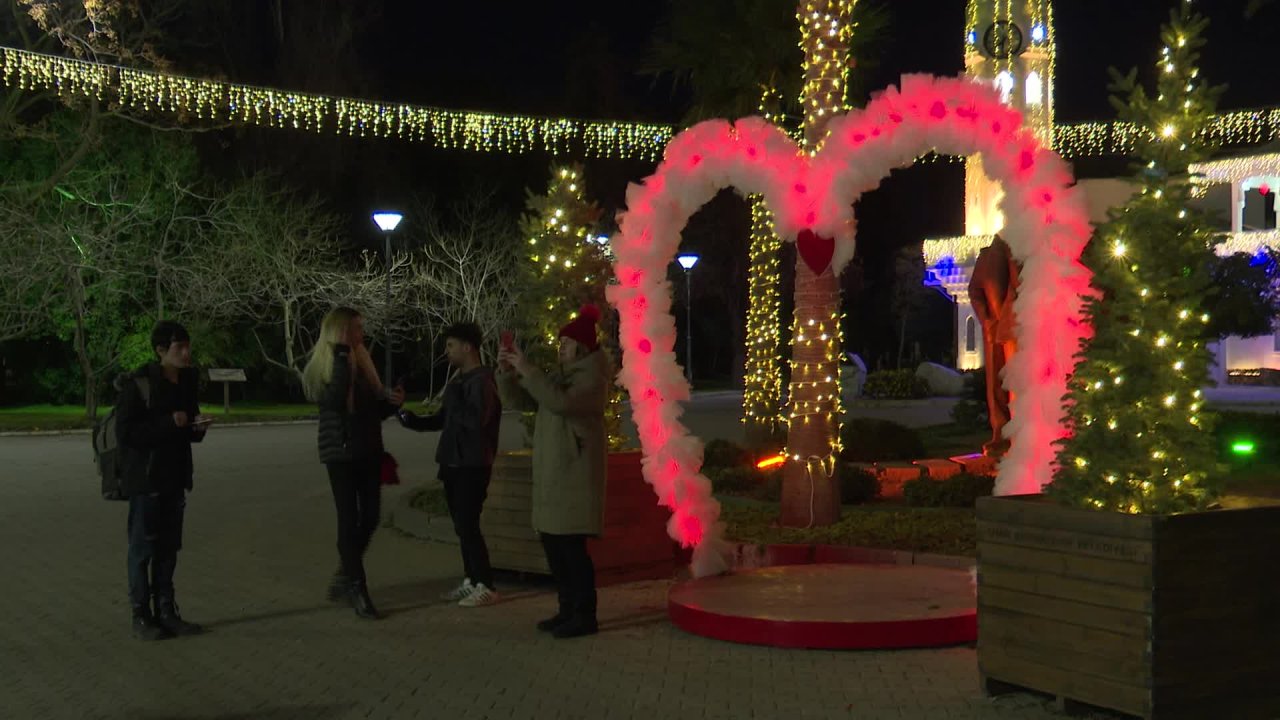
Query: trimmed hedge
(873, 440)
(724, 454)
(895, 384)
(857, 485)
(958, 491)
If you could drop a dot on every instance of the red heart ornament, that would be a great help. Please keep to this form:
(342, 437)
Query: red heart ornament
(815, 250)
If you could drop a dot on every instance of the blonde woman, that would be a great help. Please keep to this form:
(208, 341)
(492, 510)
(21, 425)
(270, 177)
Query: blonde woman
(341, 378)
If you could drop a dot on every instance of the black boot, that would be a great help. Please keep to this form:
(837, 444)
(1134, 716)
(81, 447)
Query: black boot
(576, 626)
(360, 601)
(339, 587)
(168, 617)
(145, 626)
(553, 622)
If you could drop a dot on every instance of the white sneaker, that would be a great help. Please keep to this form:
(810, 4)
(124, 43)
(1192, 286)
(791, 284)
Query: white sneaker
(479, 596)
(464, 589)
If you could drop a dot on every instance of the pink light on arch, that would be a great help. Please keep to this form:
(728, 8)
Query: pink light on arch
(1046, 227)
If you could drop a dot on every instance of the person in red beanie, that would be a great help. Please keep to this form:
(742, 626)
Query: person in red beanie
(570, 452)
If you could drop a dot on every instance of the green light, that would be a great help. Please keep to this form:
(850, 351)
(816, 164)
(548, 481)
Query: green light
(1242, 447)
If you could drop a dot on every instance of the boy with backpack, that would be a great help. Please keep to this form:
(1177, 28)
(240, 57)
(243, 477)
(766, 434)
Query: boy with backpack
(156, 420)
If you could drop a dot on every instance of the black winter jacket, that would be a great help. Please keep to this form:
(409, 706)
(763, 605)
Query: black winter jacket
(155, 452)
(350, 434)
(469, 418)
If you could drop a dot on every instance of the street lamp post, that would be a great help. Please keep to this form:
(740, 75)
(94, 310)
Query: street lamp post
(687, 261)
(387, 221)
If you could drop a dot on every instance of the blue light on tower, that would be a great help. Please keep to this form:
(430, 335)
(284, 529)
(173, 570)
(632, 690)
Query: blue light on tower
(1038, 33)
(972, 37)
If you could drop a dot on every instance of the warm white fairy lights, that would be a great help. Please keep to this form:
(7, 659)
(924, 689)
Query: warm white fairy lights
(211, 100)
(961, 249)
(762, 383)
(147, 91)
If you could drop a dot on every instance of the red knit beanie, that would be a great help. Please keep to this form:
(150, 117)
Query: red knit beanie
(583, 327)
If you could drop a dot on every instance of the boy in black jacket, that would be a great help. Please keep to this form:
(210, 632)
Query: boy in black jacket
(468, 421)
(157, 420)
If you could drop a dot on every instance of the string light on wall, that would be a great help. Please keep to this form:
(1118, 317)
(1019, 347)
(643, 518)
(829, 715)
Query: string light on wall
(960, 249)
(1235, 170)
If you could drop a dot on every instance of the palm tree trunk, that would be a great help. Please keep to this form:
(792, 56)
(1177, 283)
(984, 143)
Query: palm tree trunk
(762, 371)
(810, 481)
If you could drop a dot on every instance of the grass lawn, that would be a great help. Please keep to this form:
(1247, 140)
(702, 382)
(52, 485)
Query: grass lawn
(950, 440)
(71, 417)
(947, 531)
(894, 526)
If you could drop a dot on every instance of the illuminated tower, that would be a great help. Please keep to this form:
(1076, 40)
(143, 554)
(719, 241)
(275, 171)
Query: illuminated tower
(1009, 44)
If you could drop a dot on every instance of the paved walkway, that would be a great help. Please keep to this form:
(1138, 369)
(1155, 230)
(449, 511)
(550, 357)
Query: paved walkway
(260, 547)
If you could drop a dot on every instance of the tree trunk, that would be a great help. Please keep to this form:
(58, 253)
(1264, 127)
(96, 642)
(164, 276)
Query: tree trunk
(762, 371)
(82, 346)
(902, 339)
(810, 484)
(810, 480)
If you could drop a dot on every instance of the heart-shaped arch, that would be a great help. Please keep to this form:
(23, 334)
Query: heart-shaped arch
(1046, 228)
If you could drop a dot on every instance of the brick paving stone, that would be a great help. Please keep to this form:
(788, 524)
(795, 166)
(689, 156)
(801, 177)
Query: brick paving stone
(258, 553)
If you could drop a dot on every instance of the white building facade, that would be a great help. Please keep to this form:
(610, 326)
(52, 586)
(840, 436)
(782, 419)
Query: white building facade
(1011, 45)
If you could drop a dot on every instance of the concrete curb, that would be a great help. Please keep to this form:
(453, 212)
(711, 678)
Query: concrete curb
(419, 524)
(748, 556)
(863, 402)
(87, 431)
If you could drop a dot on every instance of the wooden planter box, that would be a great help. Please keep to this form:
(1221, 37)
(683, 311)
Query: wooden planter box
(633, 546)
(1159, 616)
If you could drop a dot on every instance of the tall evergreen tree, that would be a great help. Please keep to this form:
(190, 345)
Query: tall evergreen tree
(1141, 438)
(569, 266)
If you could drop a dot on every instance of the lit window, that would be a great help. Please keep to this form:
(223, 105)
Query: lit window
(1004, 84)
(1035, 90)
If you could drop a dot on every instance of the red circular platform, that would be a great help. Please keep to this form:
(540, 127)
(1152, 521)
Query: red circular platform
(828, 606)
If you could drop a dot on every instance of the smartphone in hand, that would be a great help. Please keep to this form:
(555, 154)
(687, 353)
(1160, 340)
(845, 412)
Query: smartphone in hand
(508, 340)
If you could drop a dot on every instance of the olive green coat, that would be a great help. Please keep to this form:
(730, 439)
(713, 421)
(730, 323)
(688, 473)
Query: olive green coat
(570, 449)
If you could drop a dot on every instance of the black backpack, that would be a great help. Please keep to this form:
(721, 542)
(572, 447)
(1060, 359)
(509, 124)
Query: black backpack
(106, 445)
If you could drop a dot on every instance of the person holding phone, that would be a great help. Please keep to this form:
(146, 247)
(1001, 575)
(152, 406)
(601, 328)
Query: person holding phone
(157, 419)
(341, 378)
(468, 422)
(570, 453)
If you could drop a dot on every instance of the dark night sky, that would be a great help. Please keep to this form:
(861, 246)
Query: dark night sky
(580, 59)
(527, 52)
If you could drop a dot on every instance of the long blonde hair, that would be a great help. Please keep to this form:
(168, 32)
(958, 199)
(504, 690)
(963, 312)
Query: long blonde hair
(319, 370)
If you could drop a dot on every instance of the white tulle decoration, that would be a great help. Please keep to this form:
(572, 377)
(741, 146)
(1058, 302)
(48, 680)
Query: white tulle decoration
(1046, 228)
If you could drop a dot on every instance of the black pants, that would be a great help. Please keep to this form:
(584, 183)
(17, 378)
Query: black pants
(357, 496)
(155, 537)
(574, 573)
(465, 490)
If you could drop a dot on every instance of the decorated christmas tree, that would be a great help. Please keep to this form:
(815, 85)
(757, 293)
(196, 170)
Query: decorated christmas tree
(1141, 440)
(568, 268)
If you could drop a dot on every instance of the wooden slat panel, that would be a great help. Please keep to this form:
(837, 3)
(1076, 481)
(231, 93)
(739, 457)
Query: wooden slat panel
(1103, 570)
(1104, 692)
(1081, 543)
(996, 626)
(1086, 591)
(1040, 513)
(1132, 672)
(1125, 622)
